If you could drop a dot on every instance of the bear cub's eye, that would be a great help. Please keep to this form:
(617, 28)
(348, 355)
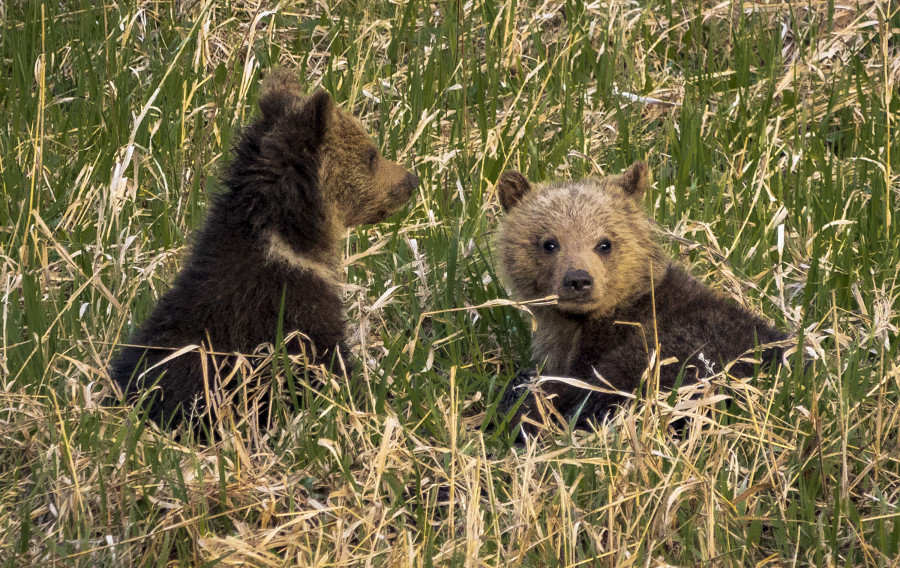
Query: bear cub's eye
(550, 245)
(373, 159)
(604, 246)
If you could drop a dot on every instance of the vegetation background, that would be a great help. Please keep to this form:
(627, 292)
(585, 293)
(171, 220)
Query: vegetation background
(772, 132)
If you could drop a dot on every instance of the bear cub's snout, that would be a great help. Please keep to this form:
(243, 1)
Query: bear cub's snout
(577, 284)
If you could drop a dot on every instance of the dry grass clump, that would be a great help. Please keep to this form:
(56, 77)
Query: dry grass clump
(772, 134)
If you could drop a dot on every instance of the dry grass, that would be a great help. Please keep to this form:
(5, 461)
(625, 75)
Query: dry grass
(771, 129)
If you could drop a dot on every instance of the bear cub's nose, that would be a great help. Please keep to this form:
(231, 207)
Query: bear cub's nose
(578, 281)
(412, 180)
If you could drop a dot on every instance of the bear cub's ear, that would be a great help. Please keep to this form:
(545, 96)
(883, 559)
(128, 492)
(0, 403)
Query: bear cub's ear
(283, 103)
(512, 187)
(315, 116)
(279, 92)
(635, 180)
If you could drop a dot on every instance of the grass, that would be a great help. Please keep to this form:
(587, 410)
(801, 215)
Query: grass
(772, 132)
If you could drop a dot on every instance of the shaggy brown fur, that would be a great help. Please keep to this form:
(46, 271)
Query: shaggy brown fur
(302, 173)
(589, 243)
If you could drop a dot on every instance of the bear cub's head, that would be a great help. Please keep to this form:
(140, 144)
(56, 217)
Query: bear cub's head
(315, 139)
(586, 241)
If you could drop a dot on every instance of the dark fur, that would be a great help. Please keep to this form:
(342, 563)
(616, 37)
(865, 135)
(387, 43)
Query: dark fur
(230, 293)
(580, 339)
(691, 319)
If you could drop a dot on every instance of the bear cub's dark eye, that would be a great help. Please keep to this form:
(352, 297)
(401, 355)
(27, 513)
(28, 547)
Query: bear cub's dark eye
(550, 245)
(373, 158)
(604, 246)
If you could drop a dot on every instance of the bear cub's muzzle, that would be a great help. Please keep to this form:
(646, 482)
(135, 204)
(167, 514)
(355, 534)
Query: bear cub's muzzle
(577, 286)
(410, 183)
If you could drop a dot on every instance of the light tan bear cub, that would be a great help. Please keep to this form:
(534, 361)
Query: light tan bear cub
(590, 243)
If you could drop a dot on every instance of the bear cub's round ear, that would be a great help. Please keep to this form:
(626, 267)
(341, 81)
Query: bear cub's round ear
(512, 187)
(317, 111)
(315, 115)
(635, 180)
(282, 102)
(279, 91)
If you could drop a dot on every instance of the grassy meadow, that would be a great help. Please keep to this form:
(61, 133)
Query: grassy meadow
(771, 129)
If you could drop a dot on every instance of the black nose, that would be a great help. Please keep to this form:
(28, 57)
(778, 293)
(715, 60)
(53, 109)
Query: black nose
(412, 180)
(578, 281)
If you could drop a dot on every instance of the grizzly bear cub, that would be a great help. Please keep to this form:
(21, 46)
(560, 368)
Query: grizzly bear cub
(269, 255)
(589, 243)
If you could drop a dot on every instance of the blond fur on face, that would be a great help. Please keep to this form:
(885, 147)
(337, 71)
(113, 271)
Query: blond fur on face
(590, 225)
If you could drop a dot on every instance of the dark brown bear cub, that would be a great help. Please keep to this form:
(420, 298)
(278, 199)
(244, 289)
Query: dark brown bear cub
(269, 253)
(589, 243)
